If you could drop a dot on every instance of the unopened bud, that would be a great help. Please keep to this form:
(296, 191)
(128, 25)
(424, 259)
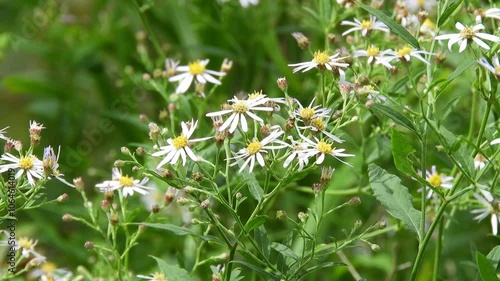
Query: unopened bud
(89, 245)
(141, 151)
(125, 150)
(143, 118)
(197, 176)
(204, 204)
(357, 223)
(355, 201)
(440, 148)
(105, 204)
(182, 201)
(238, 195)
(142, 228)
(195, 221)
(227, 64)
(303, 216)
(165, 173)
(163, 115)
(381, 224)
(114, 218)
(375, 247)
(118, 163)
(265, 131)
(146, 77)
(331, 38)
(282, 84)
(188, 189)
(281, 215)
(317, 187)
(136, 169)
(155, 209)
(67, 217)
(369, 104)
(302, 40)
(62, 197)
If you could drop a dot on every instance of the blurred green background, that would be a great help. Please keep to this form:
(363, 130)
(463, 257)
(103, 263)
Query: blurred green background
(77, 66)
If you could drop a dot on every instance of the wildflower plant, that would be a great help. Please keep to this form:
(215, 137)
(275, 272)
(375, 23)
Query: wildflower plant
(356, 149)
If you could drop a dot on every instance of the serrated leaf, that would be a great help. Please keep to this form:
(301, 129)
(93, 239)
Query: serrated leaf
(494, 256)
(447, 12)
(394, 197)
(173, 272)
(486, 270)
(284, 250)
(396, 28)
(396, 116)
(255, 222)
(401, 149)
(182, 231)
(253, 186)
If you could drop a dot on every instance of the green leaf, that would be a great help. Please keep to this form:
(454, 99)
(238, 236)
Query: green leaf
(284, 250)
(321, 266)
(486, 270)
(253, 186)
(182, 231)
(262, 241)
(396, 116)
(447, 12)
(494, 256)
(394, 197)
(255, 222)
(401, 149)
(258, 270)
(461, 68)
(173, 272)
(30, 85)
(396, 28)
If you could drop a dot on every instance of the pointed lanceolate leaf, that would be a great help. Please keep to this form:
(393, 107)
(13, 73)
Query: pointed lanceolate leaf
(255, 222)
(396, 28)
(485, 267)
(394, 197)
(448, 11)
(494, 256)
(397, 116)
(182, 231)
(173, 272)
(401, 149)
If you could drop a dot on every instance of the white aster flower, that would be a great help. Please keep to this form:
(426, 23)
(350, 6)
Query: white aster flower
(416, 5)
(365, 26)
(35, 128)
(494, 67)
(320, 148)
(51, 166)
(297, 151)
(171, 66)
(306, 114)
(27, 247)
(317, 125)
(2, 132)
(196, 69)
(49, 272)
(374, 55)
(322, 61)
(128, 185)
(492, 207)
(490, 13)
(480, 161)
(437, 180)
(239, 109)
(428, 27)
(468, 34)
(495, 141)
(404, 55)
(157, 276)
(29, 165)
(179, 146)
(370, 93)
(254, 151)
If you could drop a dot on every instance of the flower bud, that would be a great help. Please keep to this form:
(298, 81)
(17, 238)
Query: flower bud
(118, 163)
(182, 201)
(140, 151)
(204, 204)
(380, 224)
(303, 216)
(63, 197)
(142, 228)
(114, 218)
(238, 195)
(281, 215)
(89, 245)
(125, 150)
(282, 83)
(155, 209)
(146, 77)
(317, 188)
(143, 118)
(165, 173)
(355, 201)
(302, 40)
(197, 176)
(326, 175)
(357, 223)
(375, 247)
(67, 217)
(105, 204)
(227, 64)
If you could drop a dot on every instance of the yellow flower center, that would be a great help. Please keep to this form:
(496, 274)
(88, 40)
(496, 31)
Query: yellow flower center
(366, 24)
(404, 51)
(25, 243)
(321, 58)
(180, 141)
(126, 181)
(318, 124)
(254, 147)
(497, 70)
(372, 51)
(435, 180)
(467, 33)
(324, 147)
(428, 22)
(26, 163)
(255, 95)
(240, 107)
(196, 68)
(307, 113)
(158, 276)
(48, 267)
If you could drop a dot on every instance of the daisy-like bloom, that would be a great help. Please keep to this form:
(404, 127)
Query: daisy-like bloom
(428, 27)
(49, 272)
(320, 148)
(317, 125)
(238, 109)
(297, 151)
(255, 150)
(370, 93)
(29, 165)
(127, 184)
(178, 147)
(404, 55)
(35, 128)
(2, 132)
(480, 161)
(27, 247)
(492, 206)
(196, 69)
(51, 166)
(468, 34)
(373, 53)
(157, 276)
(306, 114)
(490, 13)
(171, 66)
(321, 61)
(494, 67)
(416, 5)
(365, 26)
(437, 180)
(495, 141)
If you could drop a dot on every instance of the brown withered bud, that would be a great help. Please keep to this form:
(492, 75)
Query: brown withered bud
(88, 245)
(63, 197)
(331, 38)
(282, 83)
(302, 40)
(265, 130)
(165, 173)
(169, 197)
(281, 215)
(140, 151)
(114, 218)
(197, 176)
(355, 201)
(227, 64)
(326, 175)
(317, 187)
(289, 124)
(219, 138)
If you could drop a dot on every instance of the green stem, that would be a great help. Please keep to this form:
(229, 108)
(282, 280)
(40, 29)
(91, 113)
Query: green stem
(152, 36)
